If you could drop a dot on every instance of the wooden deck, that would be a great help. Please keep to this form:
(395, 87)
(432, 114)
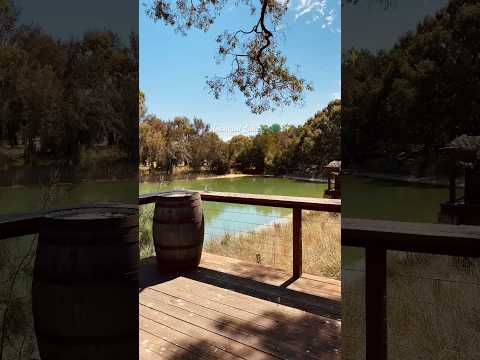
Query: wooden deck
(230, 309)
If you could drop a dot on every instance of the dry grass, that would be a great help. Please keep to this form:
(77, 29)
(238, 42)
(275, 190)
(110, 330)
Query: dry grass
(145, 235)
(272, 245)
(433, 309)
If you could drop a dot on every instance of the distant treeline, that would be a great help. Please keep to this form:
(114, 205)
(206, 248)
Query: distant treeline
(400, 106)
(294, 150)
(59, 97)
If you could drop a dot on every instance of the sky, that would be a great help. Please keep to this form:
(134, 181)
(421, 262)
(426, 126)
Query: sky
(371, 26)
(173, 68)
(71, 19)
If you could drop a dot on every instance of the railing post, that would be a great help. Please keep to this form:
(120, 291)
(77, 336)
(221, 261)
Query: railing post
(297, 243)
(376, 303)
(453, 182)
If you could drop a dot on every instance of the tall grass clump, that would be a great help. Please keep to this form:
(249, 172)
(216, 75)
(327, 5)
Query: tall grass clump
(17, 258)
(433, 311)
(145, 235)
(272, 244)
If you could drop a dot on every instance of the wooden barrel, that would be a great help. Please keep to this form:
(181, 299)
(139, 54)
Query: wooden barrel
(85, 284)
(178, 230)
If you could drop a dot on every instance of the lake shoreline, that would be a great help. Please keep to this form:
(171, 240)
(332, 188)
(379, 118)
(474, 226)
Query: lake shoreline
(426, 180)
(201, 176)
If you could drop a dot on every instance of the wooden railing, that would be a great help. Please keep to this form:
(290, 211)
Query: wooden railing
(297, 204)
(377, 237)
(21, 224)
(29, 223)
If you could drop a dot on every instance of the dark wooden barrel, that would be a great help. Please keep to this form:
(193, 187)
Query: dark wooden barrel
(178, 230)
(85, 284)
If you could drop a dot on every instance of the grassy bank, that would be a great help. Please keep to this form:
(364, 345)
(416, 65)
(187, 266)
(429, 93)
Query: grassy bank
(272, 244)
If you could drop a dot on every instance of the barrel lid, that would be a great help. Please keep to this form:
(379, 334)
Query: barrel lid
(93, 212)
(177, 194)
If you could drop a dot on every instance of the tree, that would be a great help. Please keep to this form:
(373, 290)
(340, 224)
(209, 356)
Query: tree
(68, 95)
(142, 110)
(235, 146)
(259, 69)
(199, 149)
(400, 106)
(152, 143)
(216, 155)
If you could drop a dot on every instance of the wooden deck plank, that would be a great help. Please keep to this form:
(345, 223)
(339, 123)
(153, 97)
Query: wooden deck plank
(256, 308)
(201, 337)
(231, 309)
(317, 287)
(304, 300)
(322, 279)
(323, 339)
(180, 338)
(241, 332)
(314, 300)
(208, 307)
(248, 270)
(154, 348)
(310, 284)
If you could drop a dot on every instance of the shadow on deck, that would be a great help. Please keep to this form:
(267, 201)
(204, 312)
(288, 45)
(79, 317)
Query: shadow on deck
(231, 309)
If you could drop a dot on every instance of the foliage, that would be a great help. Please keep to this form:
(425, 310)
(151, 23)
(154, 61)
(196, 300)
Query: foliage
(180, 142)
(402, 105)
(66, 95)
(259, 69)
(302, 150)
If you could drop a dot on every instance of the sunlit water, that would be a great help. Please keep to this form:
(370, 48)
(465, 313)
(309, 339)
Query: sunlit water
(362, 198)
(222, 218)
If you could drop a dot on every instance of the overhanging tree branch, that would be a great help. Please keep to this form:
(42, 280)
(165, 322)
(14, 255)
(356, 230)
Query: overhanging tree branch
(259, 70)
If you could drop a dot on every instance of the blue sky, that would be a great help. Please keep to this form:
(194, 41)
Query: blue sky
(173, 68)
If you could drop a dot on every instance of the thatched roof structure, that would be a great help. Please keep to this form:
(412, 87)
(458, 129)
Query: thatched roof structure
(335, 165)
(466, 142)
(465, 149)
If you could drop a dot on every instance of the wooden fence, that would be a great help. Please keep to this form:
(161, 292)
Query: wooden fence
(377, 237)
(297, 204)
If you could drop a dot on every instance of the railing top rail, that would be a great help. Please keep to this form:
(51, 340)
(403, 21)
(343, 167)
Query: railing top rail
(21, 224)
(460, 240)
(306, 203)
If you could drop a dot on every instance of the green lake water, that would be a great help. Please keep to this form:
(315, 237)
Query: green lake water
(222, 218)
(368, 198)
(25, 199)
(362, 198)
